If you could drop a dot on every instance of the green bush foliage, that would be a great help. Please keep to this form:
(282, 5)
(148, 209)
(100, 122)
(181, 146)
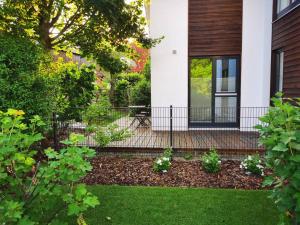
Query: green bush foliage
(280, 134)
(211, 161)
(105, 135)
(140, 94)
(163, 164)
(253, 165)
(77, 88)
(27, 185)
(23, 84)
(121, 93)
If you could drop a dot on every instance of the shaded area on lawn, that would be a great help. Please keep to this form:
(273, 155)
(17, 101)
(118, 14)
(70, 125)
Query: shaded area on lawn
(178, 206)
(139, 171)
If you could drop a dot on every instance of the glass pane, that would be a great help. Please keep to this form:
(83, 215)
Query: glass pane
(226, 75)
(201, 90)
(225, 110)
(282, 4)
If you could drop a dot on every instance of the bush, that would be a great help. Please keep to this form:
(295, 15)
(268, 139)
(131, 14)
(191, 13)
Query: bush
(211, 161)
(99, 112)
(77, 88)
(122, 88)
(253, 164)
(28, 187)
(280, 134)
(121, 93)
(23, 84)
(140, 94)
(163, 163)
(105, 135)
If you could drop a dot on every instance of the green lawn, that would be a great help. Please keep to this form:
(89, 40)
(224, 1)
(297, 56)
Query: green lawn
(177, 206)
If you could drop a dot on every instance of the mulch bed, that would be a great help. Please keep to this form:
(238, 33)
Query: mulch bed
(138, 171)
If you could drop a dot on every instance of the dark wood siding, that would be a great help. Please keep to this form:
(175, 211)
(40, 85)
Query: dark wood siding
(286, 36)
(215, 27)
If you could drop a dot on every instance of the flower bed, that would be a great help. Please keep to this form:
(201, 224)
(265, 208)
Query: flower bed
(139, 171)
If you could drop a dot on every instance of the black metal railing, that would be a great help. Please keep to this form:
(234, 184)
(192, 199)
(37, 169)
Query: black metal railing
(161, 127)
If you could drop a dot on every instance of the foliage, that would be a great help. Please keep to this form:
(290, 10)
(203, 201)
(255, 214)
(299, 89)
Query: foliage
(98, 28)
(101, 113)
(77, 88)
(280, 134)
(147, 70)
(140, 94)
(105, 135)
(211, 161)
(253, 164)
(163, 163)
(123, 85)
(188, 156)
(120, 98)
(27, 186)
(23, 83)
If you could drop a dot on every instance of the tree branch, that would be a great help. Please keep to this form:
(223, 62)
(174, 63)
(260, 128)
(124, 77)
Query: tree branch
(68, 24)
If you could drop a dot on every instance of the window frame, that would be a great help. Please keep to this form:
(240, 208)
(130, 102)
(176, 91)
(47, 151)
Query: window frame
(293, 4)
(213, 123)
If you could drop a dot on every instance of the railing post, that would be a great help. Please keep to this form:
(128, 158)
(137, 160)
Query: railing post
(55, 138)
(171, 126)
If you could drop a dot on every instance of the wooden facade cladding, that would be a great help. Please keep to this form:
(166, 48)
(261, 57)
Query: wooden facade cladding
(286, 37)
(215, 27)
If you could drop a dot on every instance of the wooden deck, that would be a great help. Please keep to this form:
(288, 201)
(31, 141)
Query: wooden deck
(147, 138)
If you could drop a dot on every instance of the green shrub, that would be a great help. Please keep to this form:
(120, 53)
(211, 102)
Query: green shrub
(147, 70)
(140, 94)
(105, 135)
(253, 165)
(280, 134)
(28, 186)
(132, 78)
(121, 93)
(23, 85)
(163, 164)
(77, 88)
(211, 161)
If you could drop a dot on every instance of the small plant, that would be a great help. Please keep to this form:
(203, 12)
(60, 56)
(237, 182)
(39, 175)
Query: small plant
(105, 135)
(253, 165)
(188, 156)
(163, 163)
(28, 186)
(211, 161)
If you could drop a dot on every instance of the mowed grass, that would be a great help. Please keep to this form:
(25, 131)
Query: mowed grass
(178, 206)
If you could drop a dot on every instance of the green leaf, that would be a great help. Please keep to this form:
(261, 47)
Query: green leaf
(80, 191)
(91, 201)
(280, 148)
(295, 158)
(73, 209)
(269, 181)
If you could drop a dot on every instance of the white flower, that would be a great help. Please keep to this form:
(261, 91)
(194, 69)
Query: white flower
(207, 161)
(263, 174)
(219, 162)
(164, 171)
(241, 166)
(165, 159)
(259, 166)
(249, 157)
(159, 162)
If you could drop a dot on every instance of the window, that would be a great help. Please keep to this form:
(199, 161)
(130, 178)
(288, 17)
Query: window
(283, 6)
(279, 70)
(214, 91)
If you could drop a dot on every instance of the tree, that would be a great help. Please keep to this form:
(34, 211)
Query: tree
(99, 28)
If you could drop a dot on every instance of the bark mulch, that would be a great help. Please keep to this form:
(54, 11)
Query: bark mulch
(138, 171)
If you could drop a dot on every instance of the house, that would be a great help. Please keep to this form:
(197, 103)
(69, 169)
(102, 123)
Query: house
(220, 61)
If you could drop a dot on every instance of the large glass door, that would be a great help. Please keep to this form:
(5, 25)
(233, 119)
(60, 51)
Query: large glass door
(214, 92)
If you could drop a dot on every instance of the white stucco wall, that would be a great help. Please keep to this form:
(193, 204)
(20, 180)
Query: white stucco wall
(256, 57)
(169, 65)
